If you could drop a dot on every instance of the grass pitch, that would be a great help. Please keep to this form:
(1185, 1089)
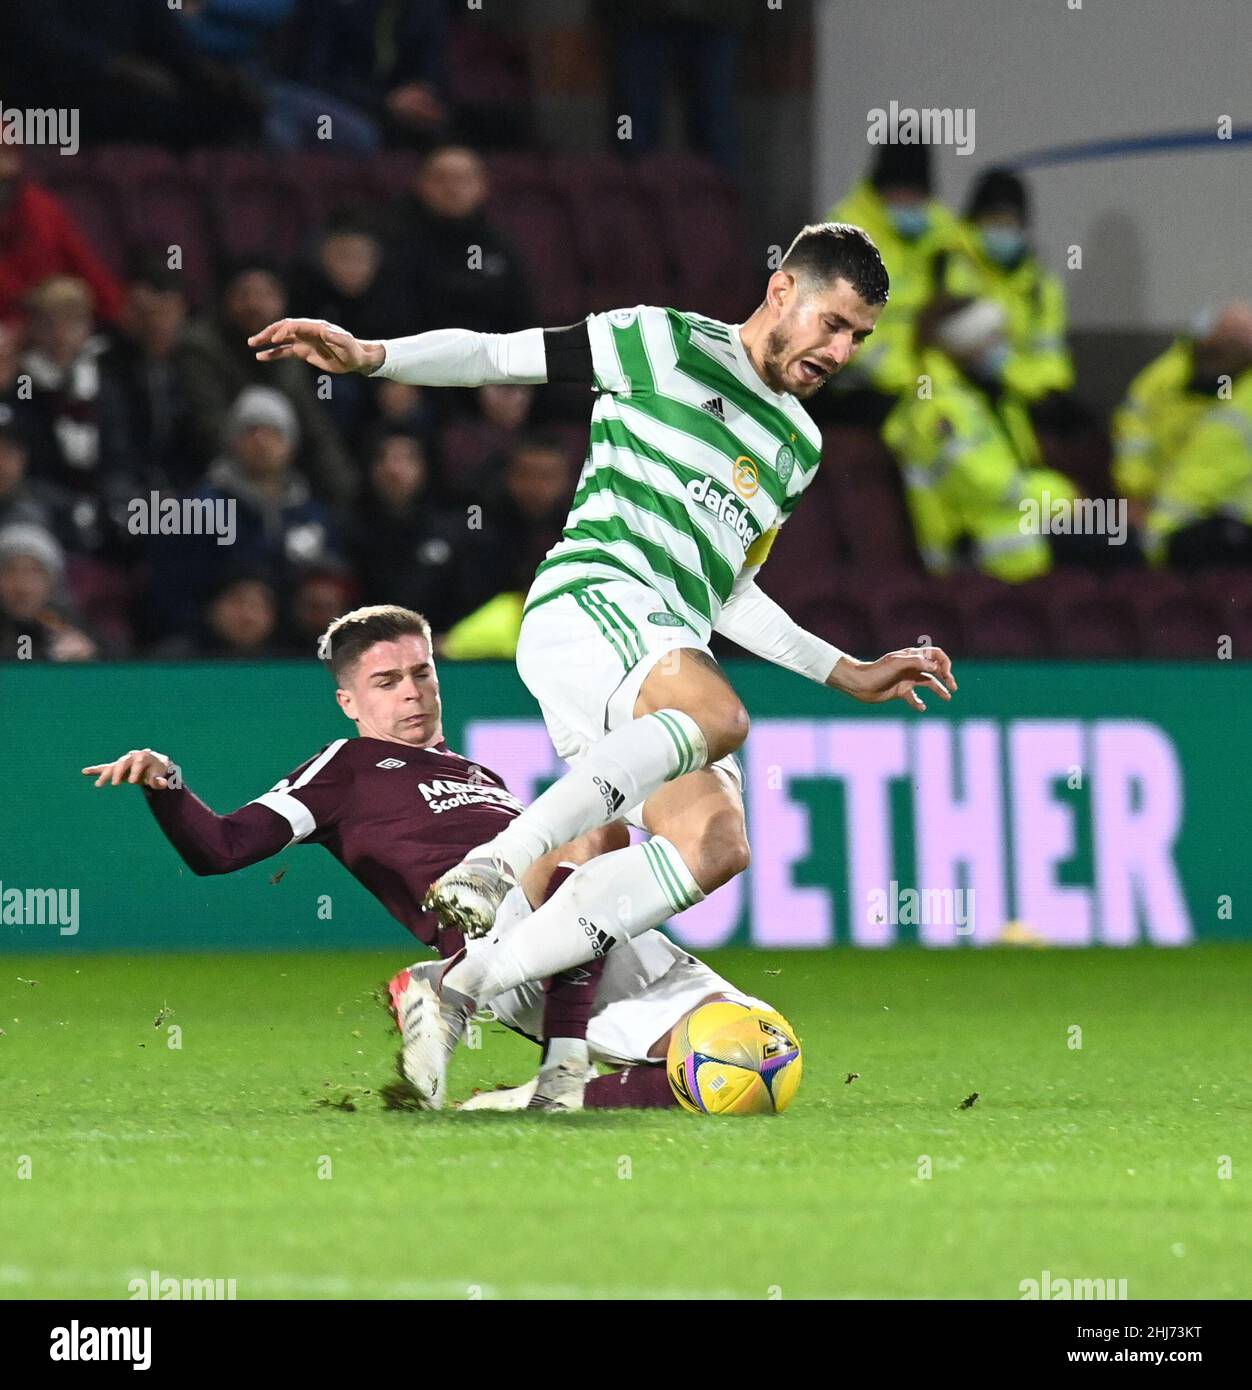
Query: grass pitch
(235, 1155)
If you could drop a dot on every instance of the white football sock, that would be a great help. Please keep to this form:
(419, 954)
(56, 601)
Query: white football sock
(569, 1050)
(619, 772)
(609, 899)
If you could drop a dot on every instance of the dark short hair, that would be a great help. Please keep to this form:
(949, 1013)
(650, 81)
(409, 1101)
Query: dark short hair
(378, 440)
(348, 221)
(829, 251)
(349, 637)
(148, 266)
(902, 166)
(999, 190)
(237, 267)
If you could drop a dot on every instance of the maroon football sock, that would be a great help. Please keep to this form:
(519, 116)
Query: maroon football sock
(570, 996)
(636, 1088)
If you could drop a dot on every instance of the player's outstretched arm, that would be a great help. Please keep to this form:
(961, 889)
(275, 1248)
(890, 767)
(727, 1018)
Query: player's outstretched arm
(759, 625)
(442, 357)
(208, 843)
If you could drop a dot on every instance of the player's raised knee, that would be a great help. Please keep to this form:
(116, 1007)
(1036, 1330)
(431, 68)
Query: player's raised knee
(725, 726)
(714, 850)
(727, 845)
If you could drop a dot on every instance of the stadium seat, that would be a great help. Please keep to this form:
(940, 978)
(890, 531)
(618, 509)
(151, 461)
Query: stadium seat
(856, 455)
(518, 168)
(257, 213)
(841, 620)
(164, 211)
(624, 261)
(1101, 625)
(1174, 617)
(875, 527)
(92, 201)
(804, 565)
(1063, 584)
(394, 170)
(868, 514)
(466, 447)
(1187, 626)
(255, 207)
(540, 225)
(701, 222)
(1083, 455)
(908, 610)
(128, 165)
(1230, 592)
(104, 594)
(327, 182)
(1009, 624)
(489, 80)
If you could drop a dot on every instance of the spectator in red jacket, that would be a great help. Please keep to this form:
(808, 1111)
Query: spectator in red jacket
(39, 239)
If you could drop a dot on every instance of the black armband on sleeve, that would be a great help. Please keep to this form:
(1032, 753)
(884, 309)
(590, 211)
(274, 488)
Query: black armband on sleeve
(568, 355)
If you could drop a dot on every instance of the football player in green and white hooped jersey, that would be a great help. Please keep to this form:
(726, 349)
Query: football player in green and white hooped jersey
(700, 450)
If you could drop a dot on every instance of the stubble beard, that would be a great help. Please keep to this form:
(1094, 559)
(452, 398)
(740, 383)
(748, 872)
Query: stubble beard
(777, 350)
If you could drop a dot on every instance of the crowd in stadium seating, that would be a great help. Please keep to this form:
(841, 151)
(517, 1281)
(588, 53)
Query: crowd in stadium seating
(132, 274)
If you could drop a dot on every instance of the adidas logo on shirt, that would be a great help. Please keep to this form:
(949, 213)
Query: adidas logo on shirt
(715, 408)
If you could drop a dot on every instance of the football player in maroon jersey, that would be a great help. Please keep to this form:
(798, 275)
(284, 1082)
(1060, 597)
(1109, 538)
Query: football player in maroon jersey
(397, 808)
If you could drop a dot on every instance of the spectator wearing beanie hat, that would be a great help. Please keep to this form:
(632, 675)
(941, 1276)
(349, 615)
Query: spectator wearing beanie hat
(35, 624)
(277, 523)
(216, 364)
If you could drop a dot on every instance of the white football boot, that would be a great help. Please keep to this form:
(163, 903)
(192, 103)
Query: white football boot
(514, 1098)
(468, 896)
(431, 1026)
(561, 1087)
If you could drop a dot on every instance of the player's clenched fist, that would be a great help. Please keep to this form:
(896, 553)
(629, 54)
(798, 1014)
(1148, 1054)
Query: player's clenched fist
(323, 345)
(140, 765)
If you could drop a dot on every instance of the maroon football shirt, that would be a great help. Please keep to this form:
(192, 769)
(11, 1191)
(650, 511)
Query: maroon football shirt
(395, 817)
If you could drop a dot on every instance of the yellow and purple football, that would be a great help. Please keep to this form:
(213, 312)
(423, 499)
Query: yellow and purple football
(727, 1058)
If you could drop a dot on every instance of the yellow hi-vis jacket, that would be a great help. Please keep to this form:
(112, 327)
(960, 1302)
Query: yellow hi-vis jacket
(488, 633)
(968, 466)
(888, 361)
(1153, 422)
(1211, 474)
(1034, 300)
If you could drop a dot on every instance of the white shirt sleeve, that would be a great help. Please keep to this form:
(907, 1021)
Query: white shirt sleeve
(761, 626)
(460, 357)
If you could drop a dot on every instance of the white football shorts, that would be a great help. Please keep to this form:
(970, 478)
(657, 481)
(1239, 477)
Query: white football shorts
(584, 655)
(648, 984)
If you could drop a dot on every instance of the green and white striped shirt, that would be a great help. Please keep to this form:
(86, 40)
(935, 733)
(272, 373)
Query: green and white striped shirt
(694, 463)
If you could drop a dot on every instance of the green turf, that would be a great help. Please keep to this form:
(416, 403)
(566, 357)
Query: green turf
(203, 1162)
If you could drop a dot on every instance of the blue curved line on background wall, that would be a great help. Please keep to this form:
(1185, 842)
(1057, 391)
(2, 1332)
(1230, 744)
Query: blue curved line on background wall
(1141, 144)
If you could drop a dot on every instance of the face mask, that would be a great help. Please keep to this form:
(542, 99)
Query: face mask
(1004, 245)
(910, 222)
